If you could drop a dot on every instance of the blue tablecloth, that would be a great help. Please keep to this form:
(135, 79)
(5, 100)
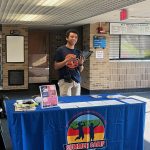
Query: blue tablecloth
(111, 127)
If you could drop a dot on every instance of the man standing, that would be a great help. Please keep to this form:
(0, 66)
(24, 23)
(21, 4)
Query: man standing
(69, 63)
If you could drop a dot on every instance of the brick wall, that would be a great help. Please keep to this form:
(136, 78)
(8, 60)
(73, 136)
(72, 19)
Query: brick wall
(126, 75)
(14, 66)
(103, 74)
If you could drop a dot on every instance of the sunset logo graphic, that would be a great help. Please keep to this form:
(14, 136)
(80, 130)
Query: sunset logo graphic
(86, 131)
(73, 63)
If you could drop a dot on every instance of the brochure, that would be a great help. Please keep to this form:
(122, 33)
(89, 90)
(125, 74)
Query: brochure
(49, 96)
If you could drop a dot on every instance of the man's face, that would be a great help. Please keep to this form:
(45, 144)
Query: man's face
(72, 38)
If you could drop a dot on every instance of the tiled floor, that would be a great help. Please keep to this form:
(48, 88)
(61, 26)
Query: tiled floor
(29, 93)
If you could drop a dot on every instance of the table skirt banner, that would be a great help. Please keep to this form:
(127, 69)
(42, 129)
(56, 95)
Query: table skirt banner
(119, 127)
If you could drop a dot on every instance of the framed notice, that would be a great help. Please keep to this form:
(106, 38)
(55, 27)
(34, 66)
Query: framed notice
(15, 48)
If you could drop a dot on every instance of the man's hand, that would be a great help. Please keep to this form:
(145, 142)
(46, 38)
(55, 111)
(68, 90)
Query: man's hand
(70, 57)
(80, 63)
(81, 60)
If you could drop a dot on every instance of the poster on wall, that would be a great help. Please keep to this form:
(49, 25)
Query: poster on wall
(99, 42)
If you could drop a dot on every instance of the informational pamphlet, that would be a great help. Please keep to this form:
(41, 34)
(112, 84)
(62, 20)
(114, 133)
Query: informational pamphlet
(25, 105)
(49, 96)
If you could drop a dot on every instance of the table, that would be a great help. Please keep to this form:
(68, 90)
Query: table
(112, 125)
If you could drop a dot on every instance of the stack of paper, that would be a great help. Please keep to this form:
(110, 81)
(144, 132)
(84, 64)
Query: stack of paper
(89, 104)
(25, 105)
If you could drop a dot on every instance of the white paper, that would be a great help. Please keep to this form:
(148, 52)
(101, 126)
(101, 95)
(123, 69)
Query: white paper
(82, 104)
(97, 103)
(140, 98)
(74, 105)
(119, 96)
(143, 99)
(66, 105)
(99, 54)
(130, 101)
(96, 96)
(113, 102)
(105, 103)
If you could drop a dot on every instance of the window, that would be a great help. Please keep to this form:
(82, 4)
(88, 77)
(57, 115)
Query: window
(129, 47)
(114, 47)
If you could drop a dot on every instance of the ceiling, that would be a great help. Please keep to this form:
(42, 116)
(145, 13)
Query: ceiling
(66, 13)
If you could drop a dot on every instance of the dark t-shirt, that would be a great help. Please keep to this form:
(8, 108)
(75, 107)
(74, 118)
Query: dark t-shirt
(74, 72)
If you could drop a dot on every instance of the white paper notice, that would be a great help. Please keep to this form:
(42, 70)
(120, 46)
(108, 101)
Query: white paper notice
(99, 54)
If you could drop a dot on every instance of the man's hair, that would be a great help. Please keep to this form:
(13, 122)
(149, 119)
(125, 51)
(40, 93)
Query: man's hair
(71, 30)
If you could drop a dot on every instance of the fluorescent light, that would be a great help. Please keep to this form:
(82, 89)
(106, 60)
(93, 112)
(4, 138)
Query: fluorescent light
(29, 17)
(50, 2)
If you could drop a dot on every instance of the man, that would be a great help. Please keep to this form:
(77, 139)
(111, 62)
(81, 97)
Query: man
(69, 63)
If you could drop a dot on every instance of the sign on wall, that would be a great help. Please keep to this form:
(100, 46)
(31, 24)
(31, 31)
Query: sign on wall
(130, 28)
(99, 42)
(99, 54)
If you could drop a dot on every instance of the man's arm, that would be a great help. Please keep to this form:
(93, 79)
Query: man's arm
(81, 61)
(81, 68)
(58, 65)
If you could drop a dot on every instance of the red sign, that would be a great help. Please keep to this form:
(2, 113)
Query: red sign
(123, 14)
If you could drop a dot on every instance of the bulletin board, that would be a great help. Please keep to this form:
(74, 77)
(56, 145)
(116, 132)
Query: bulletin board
(15, 48)
(130, 28)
